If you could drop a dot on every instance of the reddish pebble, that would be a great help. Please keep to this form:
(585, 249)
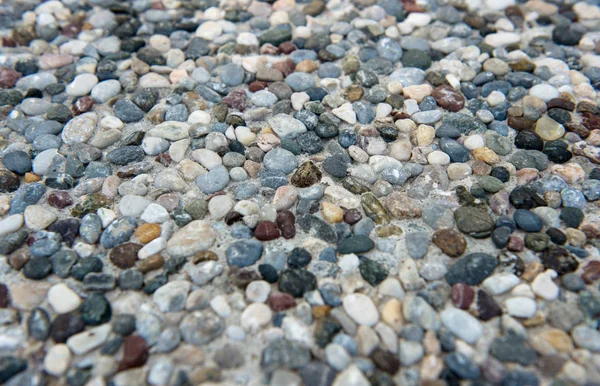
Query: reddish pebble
(281, 301)
(591, 272)
(71, 30)
(287, 47)
(448, 98)
(462, 295)
(257, 85)
(8, 77)
(286, 66)
(286, 222)
(164, 159)
(487, 307)
(352, 216)
(267, 230)
(515, 244)
(82, 105)
(60, 199)
(235, 100)
(135, 353)
(3, 295)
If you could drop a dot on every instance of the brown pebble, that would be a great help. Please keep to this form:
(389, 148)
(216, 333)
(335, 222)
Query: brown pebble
(385, 361)
(4, 297)
(8, 77)
(591, 272)
(578, 129)
(147, 232)
(281, 301)
(242, 277)
(451, 242)
(480, 168)
(18, 258)
(462, 295)
(564, 104)
(266, 231)
(287, 48)
(204, 256)
(257, 85)
(135, 353)
(124, 255)
(152, 263)
(232, 217)
(352, 216)
(286, 222)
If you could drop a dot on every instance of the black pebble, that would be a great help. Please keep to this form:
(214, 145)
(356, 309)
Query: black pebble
(500, 173)
(557, 236)
(299, 258)
(572, 217)
(37, 268)
(529, 140)
(268, 273)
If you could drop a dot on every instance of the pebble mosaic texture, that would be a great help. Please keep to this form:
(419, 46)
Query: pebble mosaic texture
(299, 192)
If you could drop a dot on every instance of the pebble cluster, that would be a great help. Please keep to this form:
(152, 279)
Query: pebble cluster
(299, 192)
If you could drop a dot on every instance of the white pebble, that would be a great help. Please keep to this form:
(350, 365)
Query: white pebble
(544, 287)
(521, 307)
(57, 360)
(500, 283)
(438, 157)
(361, 308)
(63, 299)
(255, 316)
(220, 306)
(11, 224)
(258, 291)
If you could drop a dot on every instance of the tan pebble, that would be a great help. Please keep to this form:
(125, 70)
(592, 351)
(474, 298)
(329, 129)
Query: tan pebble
(423, 136)
(486, 155)
(320, 311)
(553, 199)
(332, 213)
(537, 320)
(252, 168)
(576, 237)
(431, 343)
(391, 314)
(417, 92)
(147, 232)
(558, 339)
(30, 177)
(571, 173)
(431, 367)
(307, 66)
(532, 270)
